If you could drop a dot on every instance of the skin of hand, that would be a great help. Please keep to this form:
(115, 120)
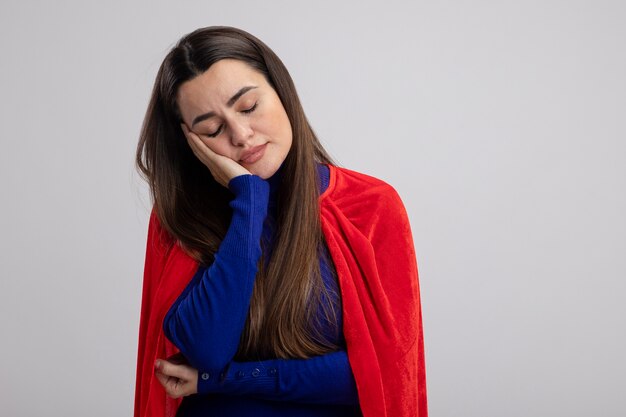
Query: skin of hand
(222, 168)
(176, 375)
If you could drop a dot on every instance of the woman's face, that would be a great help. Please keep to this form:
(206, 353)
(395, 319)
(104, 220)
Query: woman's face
(233, 109)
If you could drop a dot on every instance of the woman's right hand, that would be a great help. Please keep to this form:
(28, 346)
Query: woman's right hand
(222, 168)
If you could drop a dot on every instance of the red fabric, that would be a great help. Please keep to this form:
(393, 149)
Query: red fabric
(370, 241)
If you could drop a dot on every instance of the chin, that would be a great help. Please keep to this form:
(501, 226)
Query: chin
(263, 170)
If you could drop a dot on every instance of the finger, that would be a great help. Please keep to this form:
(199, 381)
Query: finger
(163, 380)
(201, 145)
(173, 370)
(186, 132)
(197, 140)
(198, 146)
(174, 387)
(194, 147)
(184, 128)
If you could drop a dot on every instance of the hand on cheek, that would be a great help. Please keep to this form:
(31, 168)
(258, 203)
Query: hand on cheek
(221, 167)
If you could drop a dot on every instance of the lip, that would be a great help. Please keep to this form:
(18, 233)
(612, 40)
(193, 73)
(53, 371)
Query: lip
(254, 154)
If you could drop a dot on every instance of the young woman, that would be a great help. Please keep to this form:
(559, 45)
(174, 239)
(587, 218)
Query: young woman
(276, 283)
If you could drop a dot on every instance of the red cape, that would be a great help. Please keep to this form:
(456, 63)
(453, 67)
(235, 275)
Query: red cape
(370, 241)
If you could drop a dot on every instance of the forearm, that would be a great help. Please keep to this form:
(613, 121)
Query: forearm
(324, 379)
(207, 319)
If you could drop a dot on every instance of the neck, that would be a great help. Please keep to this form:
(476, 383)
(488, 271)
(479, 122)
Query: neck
(275, 181)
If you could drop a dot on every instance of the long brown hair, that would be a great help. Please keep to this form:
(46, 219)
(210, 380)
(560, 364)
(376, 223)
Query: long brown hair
(193, 208)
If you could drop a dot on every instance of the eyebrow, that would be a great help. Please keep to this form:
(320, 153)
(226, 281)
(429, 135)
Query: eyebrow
(229, 103)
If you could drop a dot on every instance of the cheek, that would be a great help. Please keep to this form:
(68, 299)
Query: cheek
(275, 123)
(285, 128)
(217, 145)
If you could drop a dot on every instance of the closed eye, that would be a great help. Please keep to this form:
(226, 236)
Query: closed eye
(250, 110)
(217, 132)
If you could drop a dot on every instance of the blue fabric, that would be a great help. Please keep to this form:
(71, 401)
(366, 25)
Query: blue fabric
(214, 306)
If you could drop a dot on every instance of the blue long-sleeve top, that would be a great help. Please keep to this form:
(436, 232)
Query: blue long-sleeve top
(207, 319)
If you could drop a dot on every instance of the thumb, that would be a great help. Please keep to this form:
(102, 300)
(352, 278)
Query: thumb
(170, 369)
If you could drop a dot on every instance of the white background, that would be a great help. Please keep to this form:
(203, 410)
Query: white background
(500, 123)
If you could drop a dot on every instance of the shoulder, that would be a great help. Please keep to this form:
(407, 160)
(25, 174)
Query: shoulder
(355, 187)
(369, 204)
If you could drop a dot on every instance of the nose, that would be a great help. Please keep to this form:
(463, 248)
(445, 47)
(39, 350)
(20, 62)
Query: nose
(240, 132)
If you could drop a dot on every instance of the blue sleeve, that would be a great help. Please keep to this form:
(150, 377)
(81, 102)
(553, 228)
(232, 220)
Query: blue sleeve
(324, 379)
(206, 320)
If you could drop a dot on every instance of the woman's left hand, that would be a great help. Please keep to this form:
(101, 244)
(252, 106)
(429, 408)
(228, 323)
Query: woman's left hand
(176, 375)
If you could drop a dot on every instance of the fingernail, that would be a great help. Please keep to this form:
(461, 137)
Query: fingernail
(157, 364)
